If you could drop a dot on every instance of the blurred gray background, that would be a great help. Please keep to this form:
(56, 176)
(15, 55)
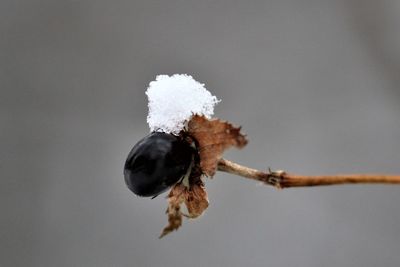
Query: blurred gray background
(315, 85)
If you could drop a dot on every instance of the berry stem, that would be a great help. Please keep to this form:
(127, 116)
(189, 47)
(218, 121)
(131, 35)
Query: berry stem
(281, 179)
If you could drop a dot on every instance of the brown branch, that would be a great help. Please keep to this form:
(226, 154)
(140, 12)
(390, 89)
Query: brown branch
(281, 179)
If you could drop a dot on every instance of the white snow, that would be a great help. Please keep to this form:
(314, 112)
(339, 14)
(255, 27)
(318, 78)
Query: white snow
(173, 100)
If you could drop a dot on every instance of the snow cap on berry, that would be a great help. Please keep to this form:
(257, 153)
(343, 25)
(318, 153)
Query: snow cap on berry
(173, 100)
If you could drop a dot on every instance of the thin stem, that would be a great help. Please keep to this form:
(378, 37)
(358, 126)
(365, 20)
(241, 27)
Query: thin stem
(282, 179)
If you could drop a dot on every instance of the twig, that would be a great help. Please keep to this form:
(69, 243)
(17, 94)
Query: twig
(281, 179)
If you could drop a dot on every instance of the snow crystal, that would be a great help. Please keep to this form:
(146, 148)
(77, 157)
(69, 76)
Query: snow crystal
(173, 100)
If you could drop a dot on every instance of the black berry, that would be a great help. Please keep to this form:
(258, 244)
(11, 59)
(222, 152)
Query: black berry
(156, 163)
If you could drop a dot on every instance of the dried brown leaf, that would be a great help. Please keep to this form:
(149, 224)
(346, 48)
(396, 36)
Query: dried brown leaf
(175, 199)
(214, 137)
(196, 200)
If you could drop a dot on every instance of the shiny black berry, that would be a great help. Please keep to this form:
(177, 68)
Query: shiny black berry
(156, 163)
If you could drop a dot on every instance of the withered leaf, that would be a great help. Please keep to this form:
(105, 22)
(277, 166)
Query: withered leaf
(214, 137)
(196, 201)
(175, 199)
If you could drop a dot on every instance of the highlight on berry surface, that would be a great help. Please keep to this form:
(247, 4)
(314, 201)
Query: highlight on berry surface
(186, 145)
